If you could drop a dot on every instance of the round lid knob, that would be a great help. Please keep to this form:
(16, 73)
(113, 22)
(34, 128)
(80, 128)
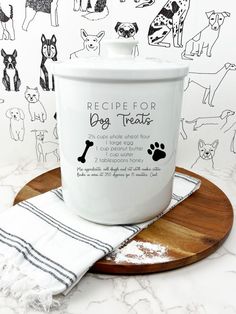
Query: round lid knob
(120, 48)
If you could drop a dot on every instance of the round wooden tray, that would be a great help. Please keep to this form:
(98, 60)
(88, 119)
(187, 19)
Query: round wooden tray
(191, 231)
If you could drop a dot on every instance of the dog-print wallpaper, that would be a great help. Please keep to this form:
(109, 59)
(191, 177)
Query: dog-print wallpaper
(36, 33)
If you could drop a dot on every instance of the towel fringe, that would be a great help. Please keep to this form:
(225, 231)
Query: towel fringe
(15, 283)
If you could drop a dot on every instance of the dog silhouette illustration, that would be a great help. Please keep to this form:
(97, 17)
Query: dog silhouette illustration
(128, 30)
(220, 120)
(17, 126)
(206, 38)
(206, 152)
(35, 107)
(44, 148)
(91, 45)
(11, 79)
(49, 55)
(170, 18)
(210, 82)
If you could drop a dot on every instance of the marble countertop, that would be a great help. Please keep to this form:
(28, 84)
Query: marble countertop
(206, 287)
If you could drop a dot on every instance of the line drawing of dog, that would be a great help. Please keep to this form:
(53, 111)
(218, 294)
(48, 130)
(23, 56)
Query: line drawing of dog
(91, 45)
(94, 9)
(206, 38)
(44, 148)
(49, 55)
(170, 18)
(45, 6)
(182, 130)
(146, 3)
(128, 30)
(220, 120)
(206, 152)
(35, 107)
(10, 80)
(210, 82)
(233, 143)
(17, 126)
(8, 31)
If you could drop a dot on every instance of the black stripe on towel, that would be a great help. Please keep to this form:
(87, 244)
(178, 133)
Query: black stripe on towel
(187, 178)
(58, 193)
(176, 197)
(104, 247)
(97, 242)
(34, 264)
(132, 228)
(40, 257)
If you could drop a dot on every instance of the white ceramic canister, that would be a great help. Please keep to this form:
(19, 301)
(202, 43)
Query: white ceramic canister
(118, 123)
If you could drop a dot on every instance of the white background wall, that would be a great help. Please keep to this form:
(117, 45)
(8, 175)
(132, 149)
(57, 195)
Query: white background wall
(28, 46)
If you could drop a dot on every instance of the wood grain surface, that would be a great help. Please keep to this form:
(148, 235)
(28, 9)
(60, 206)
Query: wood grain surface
(191, 231)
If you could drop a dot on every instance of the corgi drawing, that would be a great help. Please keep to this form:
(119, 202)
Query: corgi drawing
(91, 45)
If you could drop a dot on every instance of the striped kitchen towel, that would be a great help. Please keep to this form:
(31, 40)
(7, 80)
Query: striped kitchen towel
(46, 249)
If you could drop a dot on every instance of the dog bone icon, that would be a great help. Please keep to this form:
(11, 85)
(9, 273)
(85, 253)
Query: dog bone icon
(82, 158)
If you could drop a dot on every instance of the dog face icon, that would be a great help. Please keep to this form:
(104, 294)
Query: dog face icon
(15, 114)
(216, 19)
(230, 66)
(126, 30)
(227, 113)
(9, 60)
(91, 45)
(31, 94)
(207, 151)
(92, 42)
(40, 135)
(49, 49)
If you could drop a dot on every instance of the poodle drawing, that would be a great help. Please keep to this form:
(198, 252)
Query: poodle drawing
(16, 127)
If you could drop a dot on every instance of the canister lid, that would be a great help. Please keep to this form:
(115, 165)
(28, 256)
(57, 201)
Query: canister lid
(118, 63)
